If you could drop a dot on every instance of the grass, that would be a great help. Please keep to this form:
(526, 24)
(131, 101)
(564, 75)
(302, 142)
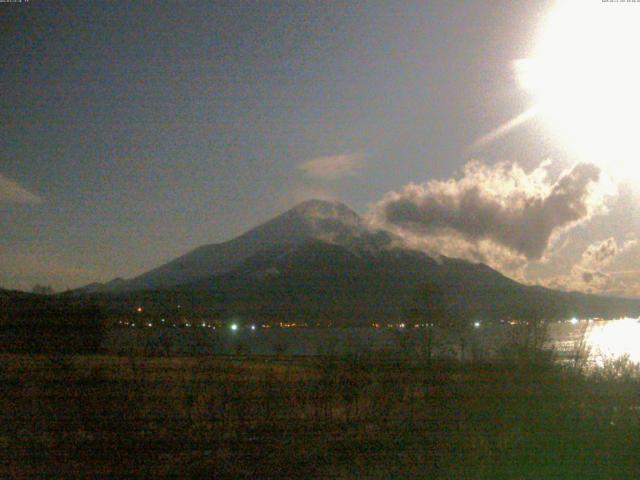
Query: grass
(285, 417)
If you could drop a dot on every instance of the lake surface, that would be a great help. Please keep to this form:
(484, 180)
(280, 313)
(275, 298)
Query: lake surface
(608, 339)
(601, 339)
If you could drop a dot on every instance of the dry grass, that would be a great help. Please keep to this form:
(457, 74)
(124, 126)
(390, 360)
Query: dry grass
(242, 417)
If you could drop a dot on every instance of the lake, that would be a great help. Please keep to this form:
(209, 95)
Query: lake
(602, 339)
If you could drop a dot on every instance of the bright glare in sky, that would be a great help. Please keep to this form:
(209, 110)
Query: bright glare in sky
(584, 75)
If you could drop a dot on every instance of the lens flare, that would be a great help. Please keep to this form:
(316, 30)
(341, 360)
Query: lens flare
(584, 77)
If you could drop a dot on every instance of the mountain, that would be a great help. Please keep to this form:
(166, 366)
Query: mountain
(97, 287)
(318, 261)
(325, 281)
(310, 220)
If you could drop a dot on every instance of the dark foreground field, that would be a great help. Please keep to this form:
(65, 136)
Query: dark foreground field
(136, 417)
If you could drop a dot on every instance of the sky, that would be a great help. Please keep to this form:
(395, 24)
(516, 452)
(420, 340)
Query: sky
(134, 132)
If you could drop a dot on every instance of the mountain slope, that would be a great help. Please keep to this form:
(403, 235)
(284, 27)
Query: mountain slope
(317, 280)
(313, 219)
(318, 261)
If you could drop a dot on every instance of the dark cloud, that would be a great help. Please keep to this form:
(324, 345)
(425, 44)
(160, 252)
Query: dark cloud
(600, 252)
(592, 272)
(599, 278)
(502, 204)
(587, 277)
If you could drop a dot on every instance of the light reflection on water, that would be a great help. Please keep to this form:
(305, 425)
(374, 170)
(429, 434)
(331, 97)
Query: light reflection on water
(602, 340)
(613, 339)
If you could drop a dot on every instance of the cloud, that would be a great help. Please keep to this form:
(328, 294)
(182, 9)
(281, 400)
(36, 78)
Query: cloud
(600, 254)
(334, 167)
(12, 192)
(592, 272)
(498, 214)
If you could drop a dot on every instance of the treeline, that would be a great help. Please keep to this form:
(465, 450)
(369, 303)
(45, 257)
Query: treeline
(31, 323)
